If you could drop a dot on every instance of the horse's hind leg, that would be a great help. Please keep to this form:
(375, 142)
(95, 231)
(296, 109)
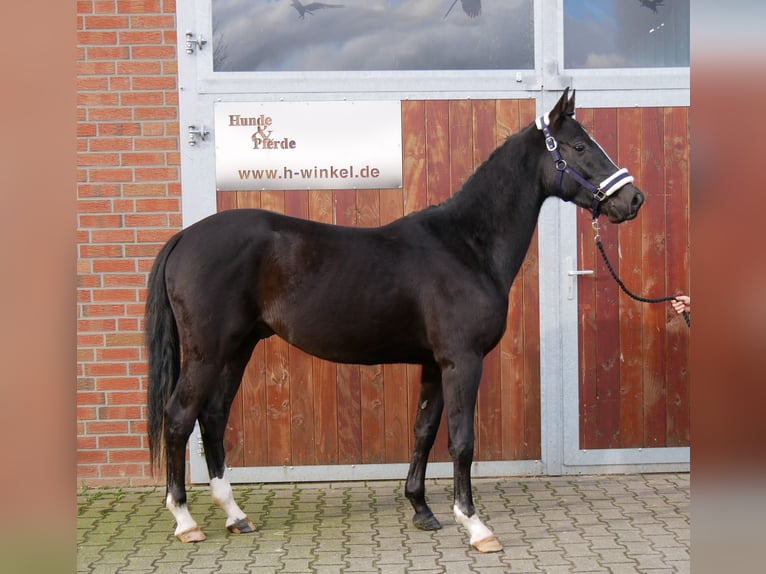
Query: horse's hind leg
(213, 419)
(180, 413)
(430, 406)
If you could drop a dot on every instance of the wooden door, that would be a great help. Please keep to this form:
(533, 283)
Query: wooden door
(634, 357)
(294, 409)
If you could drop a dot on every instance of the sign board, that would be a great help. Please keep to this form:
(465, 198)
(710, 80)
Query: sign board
(308, 145)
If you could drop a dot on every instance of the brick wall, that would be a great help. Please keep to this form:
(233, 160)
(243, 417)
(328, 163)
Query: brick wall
(128, 197)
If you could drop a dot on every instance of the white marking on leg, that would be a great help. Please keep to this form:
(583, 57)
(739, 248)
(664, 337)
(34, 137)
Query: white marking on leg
(475, 527)
(184, 521)
(220, 489)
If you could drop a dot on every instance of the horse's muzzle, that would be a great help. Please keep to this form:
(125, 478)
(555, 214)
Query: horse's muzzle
(624, 205)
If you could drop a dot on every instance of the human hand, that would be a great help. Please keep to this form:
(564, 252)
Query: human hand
(682, 303)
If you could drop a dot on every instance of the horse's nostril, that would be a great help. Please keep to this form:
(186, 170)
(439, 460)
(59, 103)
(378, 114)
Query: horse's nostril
(638, 200)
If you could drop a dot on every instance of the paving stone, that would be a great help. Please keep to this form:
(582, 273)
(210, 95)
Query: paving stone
(618, 524)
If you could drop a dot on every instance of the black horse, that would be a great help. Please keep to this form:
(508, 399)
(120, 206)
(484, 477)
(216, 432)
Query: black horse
(430, 288)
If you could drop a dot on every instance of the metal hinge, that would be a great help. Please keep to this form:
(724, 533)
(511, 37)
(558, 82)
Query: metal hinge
(197, 132)
(193, 43)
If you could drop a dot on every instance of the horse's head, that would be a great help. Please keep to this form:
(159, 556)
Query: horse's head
(577, 169)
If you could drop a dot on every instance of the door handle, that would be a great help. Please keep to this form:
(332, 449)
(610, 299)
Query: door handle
(573, 274)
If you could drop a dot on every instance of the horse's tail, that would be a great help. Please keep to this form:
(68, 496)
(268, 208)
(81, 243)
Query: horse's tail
(164, 355)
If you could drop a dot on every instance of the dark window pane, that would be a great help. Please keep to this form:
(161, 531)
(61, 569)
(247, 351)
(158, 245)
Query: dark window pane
(357, 35)
(626, 33)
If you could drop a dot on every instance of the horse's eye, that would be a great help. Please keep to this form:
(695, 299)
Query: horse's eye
(580, 147)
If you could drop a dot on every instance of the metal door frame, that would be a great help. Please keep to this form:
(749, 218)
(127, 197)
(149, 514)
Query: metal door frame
(200, 88)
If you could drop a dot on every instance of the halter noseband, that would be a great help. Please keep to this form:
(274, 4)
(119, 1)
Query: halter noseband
(606, 188)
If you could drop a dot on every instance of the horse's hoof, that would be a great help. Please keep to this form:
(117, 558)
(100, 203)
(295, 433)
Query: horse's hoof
(242, 526)
(194, 534)
(426, 522)
(488, 544)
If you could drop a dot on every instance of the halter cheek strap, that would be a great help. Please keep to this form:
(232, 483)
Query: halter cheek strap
(606, 188)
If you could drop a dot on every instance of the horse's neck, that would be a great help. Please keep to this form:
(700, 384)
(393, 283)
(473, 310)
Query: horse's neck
(496, 211)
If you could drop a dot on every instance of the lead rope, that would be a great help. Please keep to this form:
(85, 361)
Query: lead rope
(600, 246)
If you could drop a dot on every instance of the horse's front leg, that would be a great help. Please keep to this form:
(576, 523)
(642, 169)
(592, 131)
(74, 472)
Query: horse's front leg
(461, 386)
(430, 406)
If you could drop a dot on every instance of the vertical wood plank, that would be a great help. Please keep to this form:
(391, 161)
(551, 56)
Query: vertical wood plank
(653, 275)
(489, 404)
(677, 350)
(512, 344)
(460, 143)
(396, 395)
(372, 395)
(253, 389)
(531, 320)
(437, 151)
(631, 311)
(531, 329)
(587, 326)
(277, 373)
(321, 208)
(301, 368)
(414, 189)
(234, 436)
(607, 310)
(349, 384)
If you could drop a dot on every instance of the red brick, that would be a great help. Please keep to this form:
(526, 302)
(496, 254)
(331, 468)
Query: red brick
(85, 398)
(114, 265)
(99, 68)
(111, 144)
(101, 251)
(110, 114)
(113, 236)
(119, 441)
(142, 99)
(93, 206)
(154, 83)
(97, 190)
(154, 21)
(150, 37)
(107, 427)
(91, 456)
(96, 325)
(106, 22)
(119, 129)
(119, 383)
(126, 398)
(153, 52)
(141, 67)
(84, 442)
(139, 6)
(142, 159)
(163, 205)
(156, 174)
(114, 294)
(97, 159)
(128, 455)
(108, 369)
(118, 412)
(154, 235)
(102, 310)
(124, 339)
(167, 113)
(146, 220)
(89, 83)
(97, 38)
(100, 220)
(157, 143)
(124, 280)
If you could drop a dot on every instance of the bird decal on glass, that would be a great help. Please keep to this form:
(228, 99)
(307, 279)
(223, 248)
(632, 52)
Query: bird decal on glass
(470, 7)
(304, 9)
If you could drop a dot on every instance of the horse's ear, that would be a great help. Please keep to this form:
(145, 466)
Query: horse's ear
(571, 104)
(564, 107)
